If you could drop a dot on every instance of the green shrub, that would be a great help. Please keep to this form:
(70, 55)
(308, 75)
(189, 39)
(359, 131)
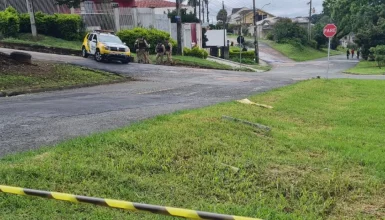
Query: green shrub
(313, 44)
(153, 36)
(270, 36)
(379, 54)
(196, 52)
(285, 30)
(245, 54)
(9, 22)
(65, 26)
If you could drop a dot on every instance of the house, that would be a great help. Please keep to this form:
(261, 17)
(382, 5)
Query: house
(161, 6)
(246, 19)
(348, 40)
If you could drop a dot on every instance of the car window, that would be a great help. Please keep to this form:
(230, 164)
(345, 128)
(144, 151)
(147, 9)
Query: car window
(110, 39)
(90, 37)
(95, 37)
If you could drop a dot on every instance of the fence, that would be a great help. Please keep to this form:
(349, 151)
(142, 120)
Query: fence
(100, 15)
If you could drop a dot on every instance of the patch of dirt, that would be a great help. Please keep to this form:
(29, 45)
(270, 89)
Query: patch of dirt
(10, 66)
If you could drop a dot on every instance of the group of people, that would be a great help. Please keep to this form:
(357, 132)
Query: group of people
(352, 52)
(161, 49)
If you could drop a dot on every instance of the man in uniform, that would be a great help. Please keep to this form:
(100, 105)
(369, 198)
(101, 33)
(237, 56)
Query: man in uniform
(168, 47)
(160, 50)
(141, 45)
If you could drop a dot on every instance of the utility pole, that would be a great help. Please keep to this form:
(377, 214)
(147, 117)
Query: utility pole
(31, 17)
(207, 6)
(224, 27)
(309, 24)
(178, 27)
(256, 48)
(199, 10)
(203, 10)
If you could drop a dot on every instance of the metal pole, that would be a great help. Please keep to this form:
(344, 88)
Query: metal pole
(327, 73)
(256, 47)
(179, 28)
(309, 24)
(224, 29)
(31, 17)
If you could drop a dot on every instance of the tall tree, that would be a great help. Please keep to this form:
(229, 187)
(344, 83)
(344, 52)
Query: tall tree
(222, 15)
(207, 10)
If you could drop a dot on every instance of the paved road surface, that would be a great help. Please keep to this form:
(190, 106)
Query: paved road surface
(30, 121)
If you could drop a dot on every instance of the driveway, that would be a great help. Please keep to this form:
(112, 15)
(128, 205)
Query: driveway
(31, 121)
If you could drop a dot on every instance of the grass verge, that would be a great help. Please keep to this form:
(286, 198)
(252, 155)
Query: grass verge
(366, 68)
(46, 41)
(324, 159)
(48, 76)
(298, 54)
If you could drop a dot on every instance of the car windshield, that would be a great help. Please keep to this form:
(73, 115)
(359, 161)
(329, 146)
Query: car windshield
(110, 39)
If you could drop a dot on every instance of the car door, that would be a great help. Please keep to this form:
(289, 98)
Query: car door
(93, 43)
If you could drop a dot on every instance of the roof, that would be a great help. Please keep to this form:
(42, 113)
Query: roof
(155, 4)
(235, 10)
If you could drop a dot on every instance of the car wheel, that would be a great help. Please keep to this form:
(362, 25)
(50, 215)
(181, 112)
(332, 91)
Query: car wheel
(84, 52)
(98, 56)
(126, 61)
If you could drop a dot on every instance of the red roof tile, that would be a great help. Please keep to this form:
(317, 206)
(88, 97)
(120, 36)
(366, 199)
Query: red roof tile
(155, 4)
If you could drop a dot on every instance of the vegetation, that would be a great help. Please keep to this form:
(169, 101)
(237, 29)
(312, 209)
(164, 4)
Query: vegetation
(9, 22)
(222, 15)
(323, 159)
(364, 18)
(196, 52)
(21, 78)
(186, 17)
(285, 30)
(302, 53)
(379, 55)
(43, 40)
(366, 68)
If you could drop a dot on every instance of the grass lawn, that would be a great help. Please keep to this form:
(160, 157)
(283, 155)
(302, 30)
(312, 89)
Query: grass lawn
(45, 41)
(197, 63)
(323, 159)
(366, 68)
(41, 76)
(297, 54)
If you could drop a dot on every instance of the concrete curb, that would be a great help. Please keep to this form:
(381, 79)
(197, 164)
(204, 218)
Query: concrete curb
(41, 49)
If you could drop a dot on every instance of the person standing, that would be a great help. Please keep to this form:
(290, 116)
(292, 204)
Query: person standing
(348, 53)
(142, 46)
(160, 50)
(352, 53)
(168, 47)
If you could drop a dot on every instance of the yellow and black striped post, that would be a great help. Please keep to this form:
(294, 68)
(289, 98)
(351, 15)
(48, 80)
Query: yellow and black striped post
(177, 212)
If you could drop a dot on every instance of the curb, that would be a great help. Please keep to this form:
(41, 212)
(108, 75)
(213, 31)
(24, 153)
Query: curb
(41, 49)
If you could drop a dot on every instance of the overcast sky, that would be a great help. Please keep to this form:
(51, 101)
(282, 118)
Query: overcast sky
(283, 8)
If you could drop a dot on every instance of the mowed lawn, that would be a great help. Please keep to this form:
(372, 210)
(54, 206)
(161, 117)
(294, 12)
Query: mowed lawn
(323, 159)
(367, 68)
(301, 54)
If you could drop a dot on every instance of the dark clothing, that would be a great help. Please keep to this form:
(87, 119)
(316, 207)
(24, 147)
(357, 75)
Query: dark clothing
(159, 48)
(347, 53)
(168, 47)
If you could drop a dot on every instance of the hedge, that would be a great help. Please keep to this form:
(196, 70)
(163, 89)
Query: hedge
(195, 52)
(245, 54)
(152, 36)
(9, 22)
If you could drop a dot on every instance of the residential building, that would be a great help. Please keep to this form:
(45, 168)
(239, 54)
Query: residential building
(161, 6)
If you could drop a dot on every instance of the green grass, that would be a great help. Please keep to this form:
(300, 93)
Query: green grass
(51, 76)
(298, 54)
(324, 159)
(44, 41)
(197, 63)
(366, 68)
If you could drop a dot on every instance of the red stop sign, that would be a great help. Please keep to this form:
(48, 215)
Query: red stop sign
(330, 30)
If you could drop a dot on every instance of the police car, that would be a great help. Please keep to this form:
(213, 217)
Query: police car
(105, 46)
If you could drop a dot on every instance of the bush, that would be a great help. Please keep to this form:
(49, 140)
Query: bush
(270, 36)
(9, 22)
(313, 44)
(153, 36)
(196, 52)
(379, 55)
(25, 23)
(246, 55)
(285, 30)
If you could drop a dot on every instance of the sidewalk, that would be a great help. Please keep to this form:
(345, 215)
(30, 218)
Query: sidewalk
(236, 64)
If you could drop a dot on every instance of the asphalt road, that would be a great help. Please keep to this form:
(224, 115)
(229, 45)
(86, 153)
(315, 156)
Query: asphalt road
(31, 121)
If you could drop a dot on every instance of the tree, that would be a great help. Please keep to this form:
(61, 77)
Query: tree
(222, 15)
(193, 3)
(186, 17)
(75, 3)
(287, 31)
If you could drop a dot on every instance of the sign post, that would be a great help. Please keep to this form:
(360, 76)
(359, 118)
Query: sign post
(330, 30)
